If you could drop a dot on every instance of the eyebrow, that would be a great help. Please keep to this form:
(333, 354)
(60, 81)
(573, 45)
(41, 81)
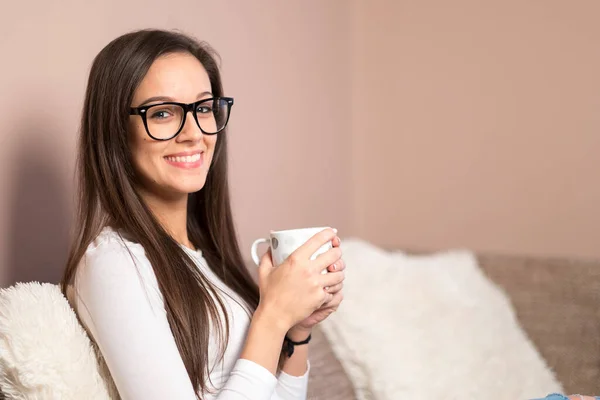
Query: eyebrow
(167, 98)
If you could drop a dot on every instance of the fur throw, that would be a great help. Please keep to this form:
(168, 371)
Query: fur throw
(44, 352)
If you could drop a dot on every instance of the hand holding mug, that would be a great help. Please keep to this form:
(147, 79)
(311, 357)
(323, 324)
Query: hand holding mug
(294, 288)
(302, 329)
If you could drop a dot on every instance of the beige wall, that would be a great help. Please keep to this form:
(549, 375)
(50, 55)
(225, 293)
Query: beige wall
(477, 124)
(412, 124)
(289, 128)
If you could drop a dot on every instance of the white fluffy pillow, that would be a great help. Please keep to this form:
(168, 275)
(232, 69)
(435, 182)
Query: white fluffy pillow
(44, 351)
(431, 327)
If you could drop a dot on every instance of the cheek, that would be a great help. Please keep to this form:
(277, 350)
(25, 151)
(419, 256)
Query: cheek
(211, 145)
(144, 152)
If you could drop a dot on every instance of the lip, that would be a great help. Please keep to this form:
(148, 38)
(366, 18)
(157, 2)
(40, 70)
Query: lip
(183, 164)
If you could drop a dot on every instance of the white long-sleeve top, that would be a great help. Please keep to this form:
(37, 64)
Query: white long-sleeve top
(120, 304)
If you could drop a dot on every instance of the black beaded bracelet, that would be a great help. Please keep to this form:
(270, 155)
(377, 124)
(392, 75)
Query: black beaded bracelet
(288, 345)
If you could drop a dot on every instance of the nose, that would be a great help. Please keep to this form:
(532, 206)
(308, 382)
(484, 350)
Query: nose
(190, 131)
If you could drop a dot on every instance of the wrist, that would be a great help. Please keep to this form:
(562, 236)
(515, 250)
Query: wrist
(264, 315)
(298, 334)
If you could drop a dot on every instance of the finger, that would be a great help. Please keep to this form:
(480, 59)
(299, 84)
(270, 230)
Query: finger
(266, 259)
(340, 265)
(327, 298)
(334, 289)
(324, 260)
(335, 300)
(336, 241)
(332, 278)
(314, 243)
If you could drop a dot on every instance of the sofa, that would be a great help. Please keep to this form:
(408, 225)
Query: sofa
(557, 302)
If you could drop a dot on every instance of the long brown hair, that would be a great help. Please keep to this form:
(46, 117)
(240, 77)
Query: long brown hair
(108, 197)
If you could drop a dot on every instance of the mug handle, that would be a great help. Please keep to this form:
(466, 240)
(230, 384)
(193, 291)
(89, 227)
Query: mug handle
(254, 249)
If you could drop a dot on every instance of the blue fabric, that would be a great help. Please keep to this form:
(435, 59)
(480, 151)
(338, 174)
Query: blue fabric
(556, 396)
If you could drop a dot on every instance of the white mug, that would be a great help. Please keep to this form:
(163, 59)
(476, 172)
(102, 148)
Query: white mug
(284, 243)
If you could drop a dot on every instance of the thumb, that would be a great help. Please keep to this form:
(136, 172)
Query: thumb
(266, 265)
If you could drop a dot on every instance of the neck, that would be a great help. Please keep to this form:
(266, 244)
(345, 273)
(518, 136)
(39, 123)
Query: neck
(171, 214)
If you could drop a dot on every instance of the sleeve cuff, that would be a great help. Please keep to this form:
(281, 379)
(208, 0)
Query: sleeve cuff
(250, 377)
(293, 387)
(283, 376)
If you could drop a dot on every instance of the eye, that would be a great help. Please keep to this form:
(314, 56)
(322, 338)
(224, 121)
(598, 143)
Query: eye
(160, 114)
(203, 109)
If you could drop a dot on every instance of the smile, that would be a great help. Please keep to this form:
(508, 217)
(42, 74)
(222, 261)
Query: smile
(187, 161)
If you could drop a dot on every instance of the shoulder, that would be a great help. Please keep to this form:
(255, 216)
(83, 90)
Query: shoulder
(112, 264)
(112, 241)
(112, 250)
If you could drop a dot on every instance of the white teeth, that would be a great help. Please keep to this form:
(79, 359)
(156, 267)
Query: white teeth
(185, 159)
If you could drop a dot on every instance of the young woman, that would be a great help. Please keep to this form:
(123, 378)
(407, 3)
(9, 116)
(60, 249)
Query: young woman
(155, 273)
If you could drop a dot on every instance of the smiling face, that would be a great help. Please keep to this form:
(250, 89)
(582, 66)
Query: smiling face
(179, 166)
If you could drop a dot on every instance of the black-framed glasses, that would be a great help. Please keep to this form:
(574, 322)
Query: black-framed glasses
(164, 121)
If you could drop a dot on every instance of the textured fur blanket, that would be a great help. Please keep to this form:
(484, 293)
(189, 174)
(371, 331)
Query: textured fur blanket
(431, 327)
(44, 351)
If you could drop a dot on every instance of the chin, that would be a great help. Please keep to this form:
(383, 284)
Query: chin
(192, 187)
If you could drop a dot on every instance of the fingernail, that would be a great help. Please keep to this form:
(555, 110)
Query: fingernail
(326, 288)
(334, 266)
(334, 230)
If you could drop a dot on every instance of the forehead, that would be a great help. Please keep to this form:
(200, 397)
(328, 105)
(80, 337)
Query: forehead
(178, 75)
